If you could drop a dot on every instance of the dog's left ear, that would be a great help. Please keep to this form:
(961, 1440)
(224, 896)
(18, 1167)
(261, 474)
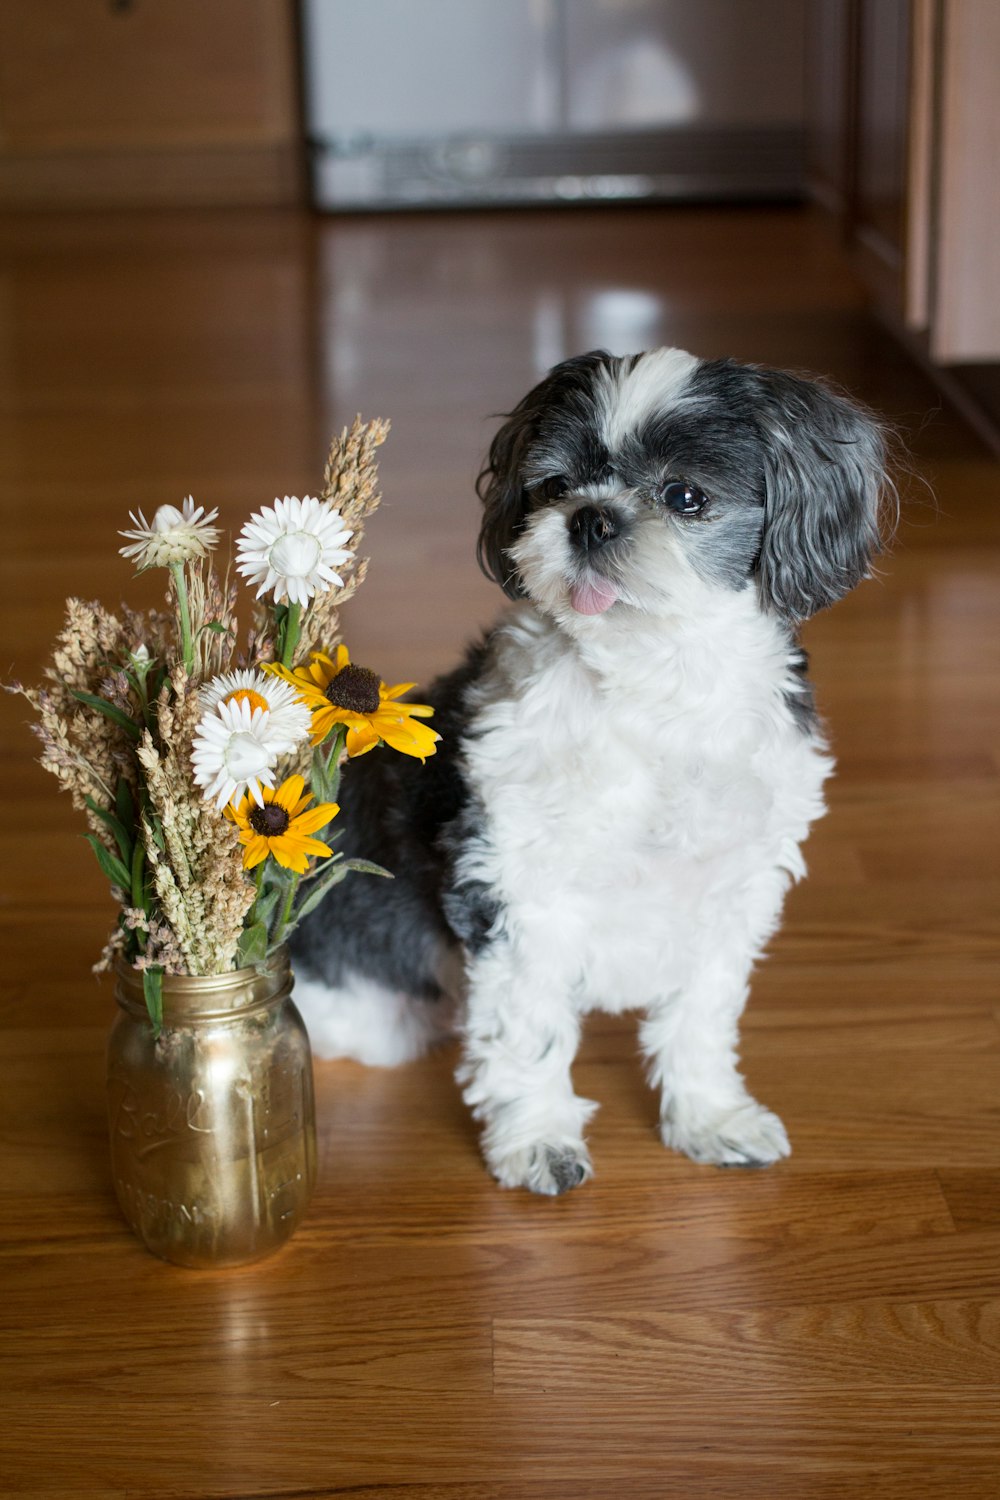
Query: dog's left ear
(825, 487)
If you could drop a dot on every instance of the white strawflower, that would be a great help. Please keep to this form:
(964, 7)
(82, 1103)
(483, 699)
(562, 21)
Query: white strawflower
(293, 547)
(235, 752)
(290, 719)
(175, 536)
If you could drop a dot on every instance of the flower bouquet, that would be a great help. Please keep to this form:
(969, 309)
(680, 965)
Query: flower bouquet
(208, 771)
(181, 746)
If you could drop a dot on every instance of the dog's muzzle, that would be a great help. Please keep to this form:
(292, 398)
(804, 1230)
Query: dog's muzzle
(593, 527)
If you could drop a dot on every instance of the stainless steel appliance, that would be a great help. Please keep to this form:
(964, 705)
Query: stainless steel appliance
(450, 102)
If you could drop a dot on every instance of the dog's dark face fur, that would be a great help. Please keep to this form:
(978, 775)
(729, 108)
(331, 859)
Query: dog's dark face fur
(752, 474)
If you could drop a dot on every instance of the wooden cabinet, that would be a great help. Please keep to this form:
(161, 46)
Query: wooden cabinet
(964, 188)
(107, 102)
(905, 148)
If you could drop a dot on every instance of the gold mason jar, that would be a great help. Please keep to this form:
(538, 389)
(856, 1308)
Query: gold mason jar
(213, 1136)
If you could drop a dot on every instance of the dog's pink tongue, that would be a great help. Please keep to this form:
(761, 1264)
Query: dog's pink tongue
(592, 596)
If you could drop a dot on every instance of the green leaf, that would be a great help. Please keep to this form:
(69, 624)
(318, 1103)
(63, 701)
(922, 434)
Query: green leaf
(122, 837)
(124, 806)
(318, 890)
(265, 904)
(324, 776)
(216, 627)
(152, 989)
(280, 626)
(137, 875)
(156, 683)
(110, 864)
(365, 867)
(109, 711)
(252, 946)
(318, 783)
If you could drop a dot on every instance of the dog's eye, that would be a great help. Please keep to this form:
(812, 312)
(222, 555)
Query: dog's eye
(683, 499)
(554, 487)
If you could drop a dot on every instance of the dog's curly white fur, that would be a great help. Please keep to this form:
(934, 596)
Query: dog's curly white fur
(630, 760)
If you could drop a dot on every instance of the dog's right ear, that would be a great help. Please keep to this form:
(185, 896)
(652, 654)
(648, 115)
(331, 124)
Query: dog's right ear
(500, 486)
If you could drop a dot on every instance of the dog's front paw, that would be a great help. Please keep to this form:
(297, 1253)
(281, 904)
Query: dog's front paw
(747, 1136)
(542, 1168)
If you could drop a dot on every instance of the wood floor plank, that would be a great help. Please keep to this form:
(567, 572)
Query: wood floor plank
(915, 1484)
(525, 1275)
(331, 1355)
(248, 1446)
(370, 1196)
(972, 1196)
(922, 1482)
(809, 1348)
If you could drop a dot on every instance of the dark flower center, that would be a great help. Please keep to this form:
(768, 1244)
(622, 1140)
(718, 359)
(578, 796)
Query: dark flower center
(269, 821)
(356, 689)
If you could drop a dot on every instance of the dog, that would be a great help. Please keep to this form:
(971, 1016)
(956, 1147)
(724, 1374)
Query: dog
(630, 760)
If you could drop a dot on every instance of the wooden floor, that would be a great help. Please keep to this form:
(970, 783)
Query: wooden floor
(828, 1328)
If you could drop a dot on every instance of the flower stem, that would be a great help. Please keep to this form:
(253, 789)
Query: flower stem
(184, 614)
(286, 911)
(291, 634)
(325, 779)
(258, 881)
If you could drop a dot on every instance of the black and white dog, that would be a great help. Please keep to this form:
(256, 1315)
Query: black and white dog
(629, 761)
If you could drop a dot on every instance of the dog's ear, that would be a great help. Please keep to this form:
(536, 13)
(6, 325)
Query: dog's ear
(567, 390)
(505, 500)
(825, 491)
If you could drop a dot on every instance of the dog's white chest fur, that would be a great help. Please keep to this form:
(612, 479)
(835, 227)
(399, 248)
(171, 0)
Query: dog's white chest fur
(631, 797)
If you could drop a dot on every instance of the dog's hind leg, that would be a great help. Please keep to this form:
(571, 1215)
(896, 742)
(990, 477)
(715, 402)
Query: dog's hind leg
(361, 1019)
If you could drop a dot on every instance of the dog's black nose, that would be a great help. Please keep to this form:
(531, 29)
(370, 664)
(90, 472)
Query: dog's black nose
(592, 527)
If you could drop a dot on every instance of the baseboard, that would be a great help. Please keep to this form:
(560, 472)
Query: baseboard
(974, 395)
(199, 177)
(682, 163)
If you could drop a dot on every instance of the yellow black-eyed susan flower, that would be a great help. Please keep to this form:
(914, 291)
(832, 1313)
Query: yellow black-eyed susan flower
(282, 826)
(339, 692)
